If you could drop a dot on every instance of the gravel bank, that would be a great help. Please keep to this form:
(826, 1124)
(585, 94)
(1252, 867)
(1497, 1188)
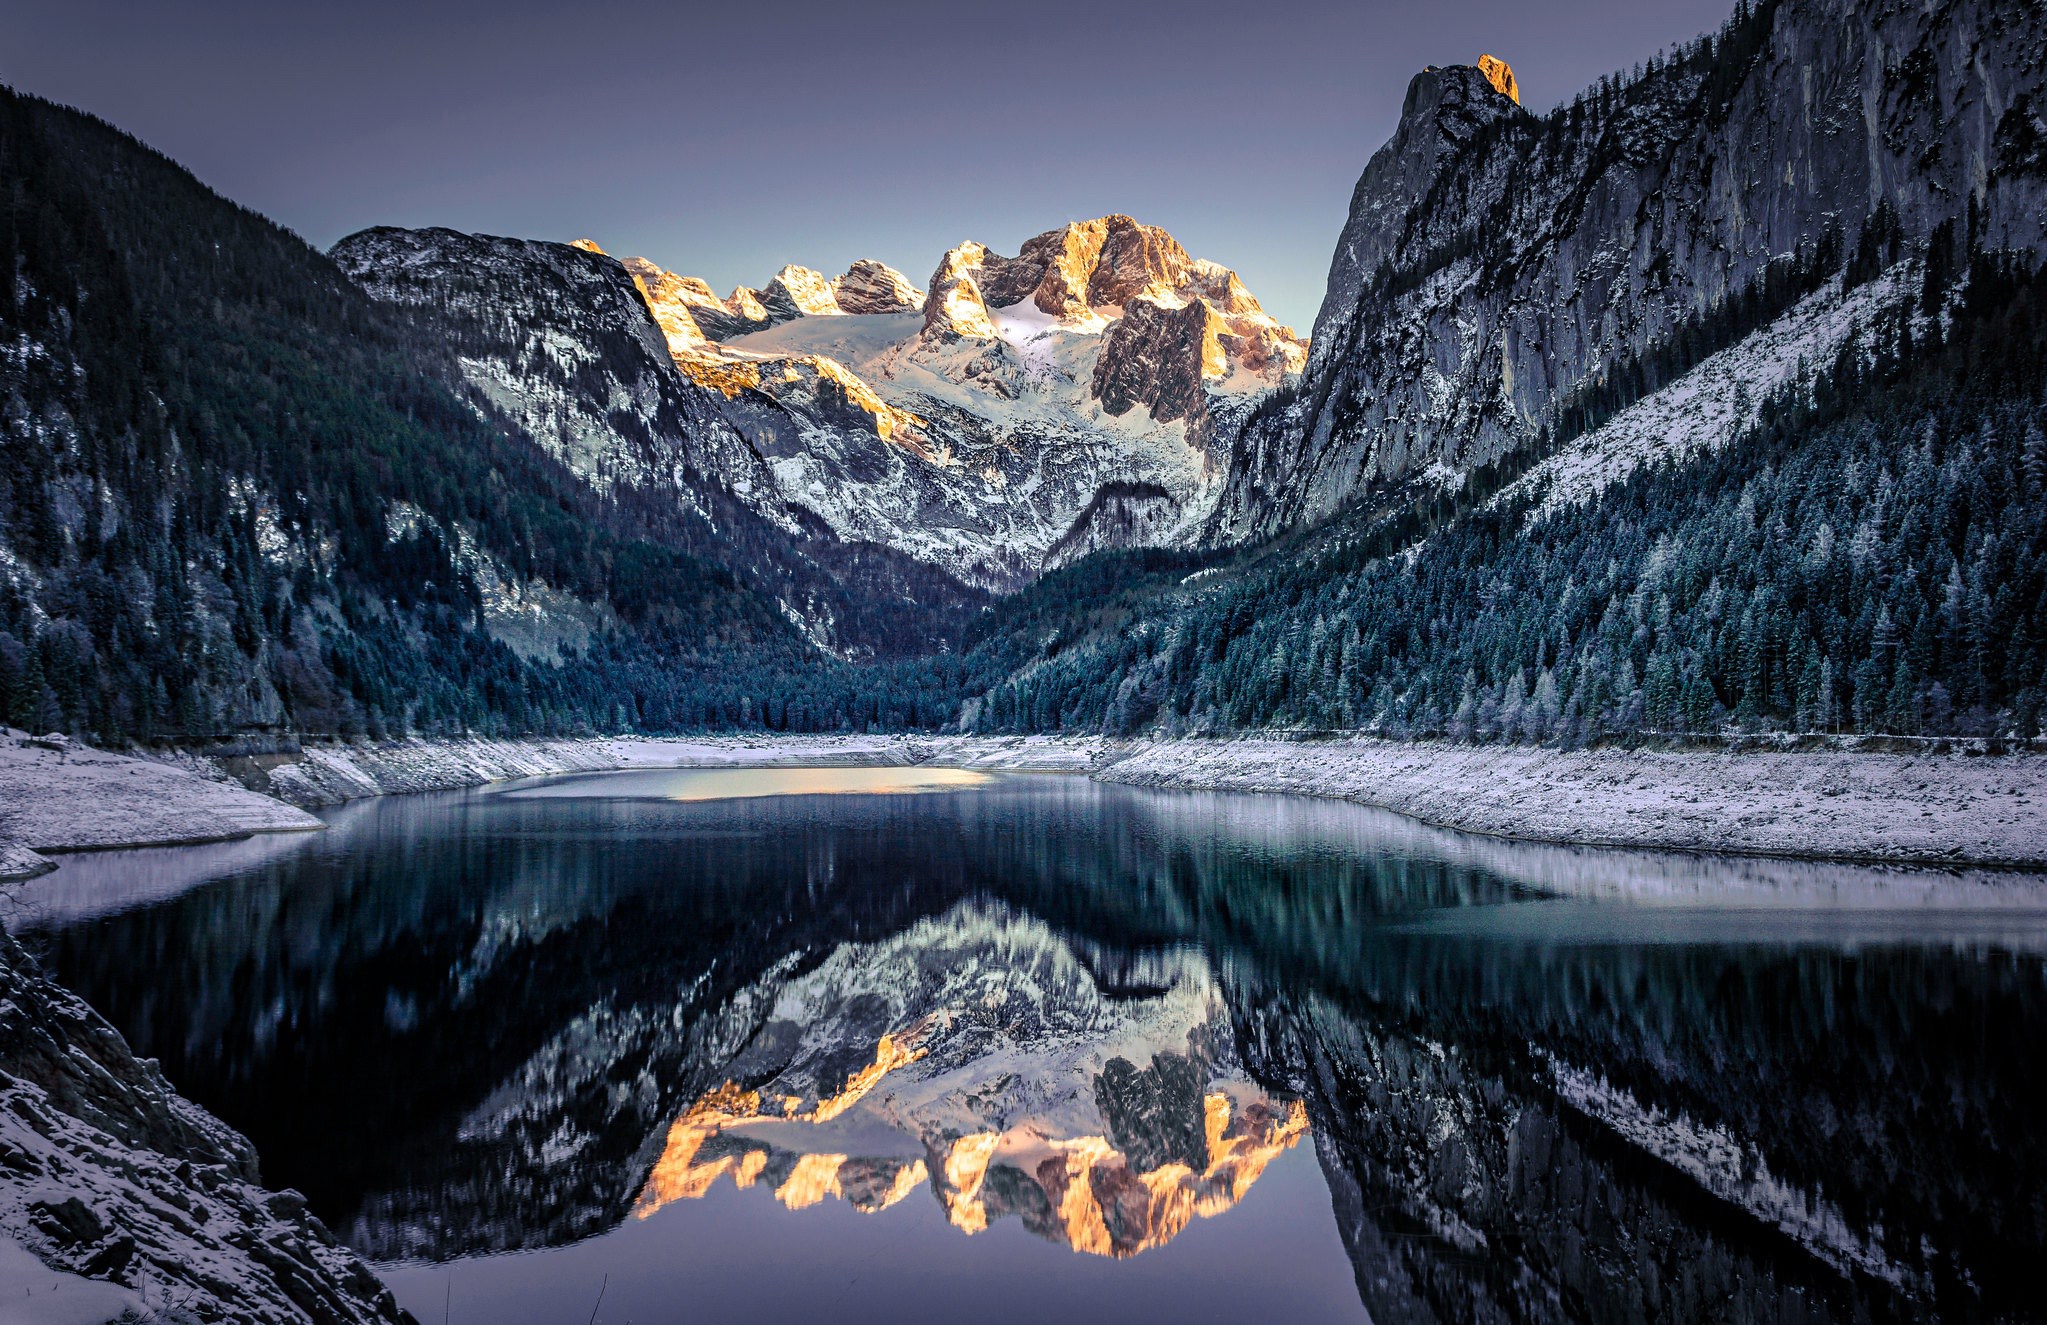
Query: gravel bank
(1842, 805)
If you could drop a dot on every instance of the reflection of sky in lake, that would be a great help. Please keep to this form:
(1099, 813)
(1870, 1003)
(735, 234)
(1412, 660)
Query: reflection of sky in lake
(712, 784)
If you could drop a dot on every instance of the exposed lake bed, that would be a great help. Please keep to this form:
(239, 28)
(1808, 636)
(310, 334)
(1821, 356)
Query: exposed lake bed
(1957, 805)
(1063, 1045)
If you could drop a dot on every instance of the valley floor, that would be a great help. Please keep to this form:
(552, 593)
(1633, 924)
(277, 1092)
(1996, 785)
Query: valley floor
(1836, 804)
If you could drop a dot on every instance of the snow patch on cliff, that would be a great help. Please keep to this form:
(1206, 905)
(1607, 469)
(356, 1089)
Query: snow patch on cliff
(1718, 401)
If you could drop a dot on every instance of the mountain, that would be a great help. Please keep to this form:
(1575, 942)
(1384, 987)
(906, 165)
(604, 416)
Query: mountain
(241, 499)
(1024, 412)
(1709, 400)
(1714, 400)
(564, 342)
(1503, 277)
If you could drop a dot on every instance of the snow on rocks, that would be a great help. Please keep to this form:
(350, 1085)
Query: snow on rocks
(1942, 809)
(33, 1294)
(331, 774)
(1718, 401)
(796, 292)
(123, 1199)
(1846, 805)
(18, 862)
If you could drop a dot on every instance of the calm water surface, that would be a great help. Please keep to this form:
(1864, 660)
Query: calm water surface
(914, 1044)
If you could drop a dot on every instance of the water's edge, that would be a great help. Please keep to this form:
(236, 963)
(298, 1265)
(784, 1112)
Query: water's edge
(1932, 809)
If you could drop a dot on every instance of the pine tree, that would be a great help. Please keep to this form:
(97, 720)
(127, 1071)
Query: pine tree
(26, 707)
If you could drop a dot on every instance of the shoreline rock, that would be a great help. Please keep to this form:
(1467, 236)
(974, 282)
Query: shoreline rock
(1894, 809)
(137, 1200)
(76, 798)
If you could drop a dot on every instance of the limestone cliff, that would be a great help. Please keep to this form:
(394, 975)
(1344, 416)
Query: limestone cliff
(1496, 265)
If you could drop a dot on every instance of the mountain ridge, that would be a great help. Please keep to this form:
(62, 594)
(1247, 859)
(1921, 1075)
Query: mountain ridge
(988, 444)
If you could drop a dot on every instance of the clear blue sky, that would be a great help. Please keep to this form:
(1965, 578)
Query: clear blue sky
(725, 140)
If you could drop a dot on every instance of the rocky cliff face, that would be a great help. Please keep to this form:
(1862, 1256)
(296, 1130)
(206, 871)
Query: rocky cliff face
(875, 287)
(1158, 357)
(138, 1201)
(603, 399)
(798, 292)
(1496, 266)
(1172, 326)
(1023, 412)
(675, 301)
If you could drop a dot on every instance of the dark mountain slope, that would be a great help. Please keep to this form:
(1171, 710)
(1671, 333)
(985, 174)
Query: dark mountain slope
(238, 496)
(558, 340)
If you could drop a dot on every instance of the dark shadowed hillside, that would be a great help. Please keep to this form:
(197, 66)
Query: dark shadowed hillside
(238, 496)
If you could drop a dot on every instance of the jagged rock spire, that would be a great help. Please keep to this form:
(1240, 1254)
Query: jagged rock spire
(1501, 75)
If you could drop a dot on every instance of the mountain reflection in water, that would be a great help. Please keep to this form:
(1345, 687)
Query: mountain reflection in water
(1010, 1085)
(1542, 1083)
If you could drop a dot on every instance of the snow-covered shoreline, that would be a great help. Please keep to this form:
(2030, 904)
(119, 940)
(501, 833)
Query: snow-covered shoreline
(1936, 809)
(63, 796)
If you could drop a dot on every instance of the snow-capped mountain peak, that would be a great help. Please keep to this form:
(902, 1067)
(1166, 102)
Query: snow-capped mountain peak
(870, 287)
(1025, 411)
(799, 292)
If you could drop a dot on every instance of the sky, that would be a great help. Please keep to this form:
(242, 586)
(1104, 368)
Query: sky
(725, 140)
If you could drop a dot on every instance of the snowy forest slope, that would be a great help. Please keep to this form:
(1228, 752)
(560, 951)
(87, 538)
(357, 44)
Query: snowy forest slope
(1505, 279)
(1712, 400)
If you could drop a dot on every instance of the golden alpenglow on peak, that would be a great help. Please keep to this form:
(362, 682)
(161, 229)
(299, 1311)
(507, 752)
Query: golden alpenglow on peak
(1501, 75)
(588, 246)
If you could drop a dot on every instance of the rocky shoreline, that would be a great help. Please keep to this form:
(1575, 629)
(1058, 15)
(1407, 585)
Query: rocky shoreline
(1925, 809)
(135, 1203)
(1943, 809)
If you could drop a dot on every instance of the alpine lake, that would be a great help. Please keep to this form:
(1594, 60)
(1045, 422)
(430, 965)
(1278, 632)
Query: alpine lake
(868, 1044)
